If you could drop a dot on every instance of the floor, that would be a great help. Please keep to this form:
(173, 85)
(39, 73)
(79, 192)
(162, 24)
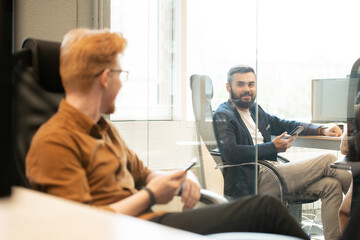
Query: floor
(311, 223)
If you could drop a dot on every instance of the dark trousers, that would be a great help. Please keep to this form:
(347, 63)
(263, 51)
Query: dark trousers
(259, 213)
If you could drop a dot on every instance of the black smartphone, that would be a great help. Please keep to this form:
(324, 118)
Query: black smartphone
(191, 164)
(296, 131)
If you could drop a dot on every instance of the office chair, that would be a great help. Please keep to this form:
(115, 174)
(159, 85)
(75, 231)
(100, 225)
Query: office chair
(37, 91)
(202, 93)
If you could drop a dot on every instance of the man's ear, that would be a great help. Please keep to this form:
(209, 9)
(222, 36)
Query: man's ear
(103, 80)
(228, 88)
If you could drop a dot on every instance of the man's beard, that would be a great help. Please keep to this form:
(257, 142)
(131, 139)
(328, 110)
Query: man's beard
(241, 104)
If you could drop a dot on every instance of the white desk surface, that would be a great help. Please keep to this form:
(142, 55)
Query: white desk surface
(31, 215)
(321, 142)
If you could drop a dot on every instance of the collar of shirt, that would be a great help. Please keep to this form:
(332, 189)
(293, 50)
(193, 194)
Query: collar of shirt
(83, 121)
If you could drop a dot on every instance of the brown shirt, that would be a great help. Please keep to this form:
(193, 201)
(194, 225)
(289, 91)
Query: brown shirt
(73, 158)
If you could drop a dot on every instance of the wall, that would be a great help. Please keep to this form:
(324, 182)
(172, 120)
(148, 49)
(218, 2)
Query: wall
(51, 19)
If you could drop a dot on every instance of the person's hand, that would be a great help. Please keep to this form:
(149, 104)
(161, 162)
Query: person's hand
(282, 144)
(333, 131)
(190, 193)
(166, 186)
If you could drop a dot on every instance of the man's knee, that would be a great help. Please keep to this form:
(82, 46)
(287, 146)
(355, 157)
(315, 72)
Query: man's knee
(268, 203)
(327, 158)
(332, 187)
(258, 208)
(259, 201)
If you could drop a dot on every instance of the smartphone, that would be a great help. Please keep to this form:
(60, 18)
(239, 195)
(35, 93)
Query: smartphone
(191, 164)
(296, 131)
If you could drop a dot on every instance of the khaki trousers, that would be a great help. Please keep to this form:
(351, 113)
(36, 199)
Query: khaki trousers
(313, 176)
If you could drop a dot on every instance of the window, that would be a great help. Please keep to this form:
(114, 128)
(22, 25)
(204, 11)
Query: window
(150, 27)
(220, 35)
(301, 41)
(288, 43)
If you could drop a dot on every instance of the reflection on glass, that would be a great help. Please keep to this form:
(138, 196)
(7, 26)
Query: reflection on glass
(288, 43)
(202, 93)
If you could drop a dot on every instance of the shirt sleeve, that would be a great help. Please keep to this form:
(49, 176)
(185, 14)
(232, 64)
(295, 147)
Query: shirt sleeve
(137, 169)
(278, 126)
(54, 168)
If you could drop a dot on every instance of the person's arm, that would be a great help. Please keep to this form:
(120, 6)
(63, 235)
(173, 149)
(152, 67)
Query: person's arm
(344, 148)
(190, 188)
(332, 131)
(279, 126)
(163, 186)
(190, 191)
(54, 168)
(282, 144)
(142, 176)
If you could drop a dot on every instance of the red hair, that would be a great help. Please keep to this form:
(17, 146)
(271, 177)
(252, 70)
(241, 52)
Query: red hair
(84, 53)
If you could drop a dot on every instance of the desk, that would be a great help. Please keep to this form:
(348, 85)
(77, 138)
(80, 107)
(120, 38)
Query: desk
(32, 215)
(322, 142)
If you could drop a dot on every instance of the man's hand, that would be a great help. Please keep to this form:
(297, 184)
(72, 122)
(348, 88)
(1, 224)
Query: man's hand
(190, 191)
(166, 186)
(282, 144)
(333, 131)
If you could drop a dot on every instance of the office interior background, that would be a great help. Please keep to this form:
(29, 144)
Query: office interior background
(288, 43)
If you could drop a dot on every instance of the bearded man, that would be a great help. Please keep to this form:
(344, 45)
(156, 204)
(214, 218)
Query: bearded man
(238, 134)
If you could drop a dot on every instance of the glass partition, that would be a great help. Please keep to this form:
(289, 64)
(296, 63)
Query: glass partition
(179, 54)
(221, 34)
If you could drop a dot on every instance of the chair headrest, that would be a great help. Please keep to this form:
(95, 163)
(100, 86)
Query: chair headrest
(46, 62)
(355, 69)
(195, 81)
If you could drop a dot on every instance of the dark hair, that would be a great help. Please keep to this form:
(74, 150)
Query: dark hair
(238, 69)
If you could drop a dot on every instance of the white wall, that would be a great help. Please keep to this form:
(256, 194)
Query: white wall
(51, 19)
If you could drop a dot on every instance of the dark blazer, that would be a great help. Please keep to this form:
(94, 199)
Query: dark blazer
(236, 145)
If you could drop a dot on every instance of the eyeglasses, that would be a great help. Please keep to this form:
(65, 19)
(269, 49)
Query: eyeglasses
(123, 75)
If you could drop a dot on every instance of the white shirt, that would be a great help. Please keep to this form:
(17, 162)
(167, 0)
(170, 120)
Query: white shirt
(251, 126)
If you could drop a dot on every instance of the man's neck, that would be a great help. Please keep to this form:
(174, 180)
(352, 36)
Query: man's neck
(87, 104)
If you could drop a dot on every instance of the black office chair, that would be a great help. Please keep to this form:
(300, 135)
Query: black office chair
(202, 93)
(37, 91)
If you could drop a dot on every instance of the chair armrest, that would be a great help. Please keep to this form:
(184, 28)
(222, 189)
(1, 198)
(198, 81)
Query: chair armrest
(286, 198)
(209, 197)
(283, 159)
(345, 164)
(271, 168)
